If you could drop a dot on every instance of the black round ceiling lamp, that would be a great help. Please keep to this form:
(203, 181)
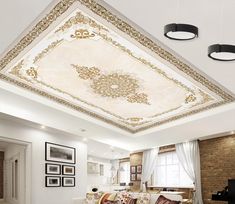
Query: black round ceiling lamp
(222, 52)
(175, 31)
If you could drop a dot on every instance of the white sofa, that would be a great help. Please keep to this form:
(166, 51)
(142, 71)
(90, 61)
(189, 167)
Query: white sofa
(153, 197)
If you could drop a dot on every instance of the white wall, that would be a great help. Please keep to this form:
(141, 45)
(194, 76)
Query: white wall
(37, 138)
(96, 180)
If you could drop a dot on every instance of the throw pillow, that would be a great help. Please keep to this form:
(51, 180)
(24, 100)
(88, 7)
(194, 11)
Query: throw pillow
(128, 200)
(163, 200)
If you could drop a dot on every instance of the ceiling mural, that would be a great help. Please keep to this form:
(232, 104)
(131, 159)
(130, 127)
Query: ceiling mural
(94, 68)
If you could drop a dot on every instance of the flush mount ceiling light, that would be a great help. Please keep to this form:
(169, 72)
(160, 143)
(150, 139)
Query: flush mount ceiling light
(221, 52)
(180, 31)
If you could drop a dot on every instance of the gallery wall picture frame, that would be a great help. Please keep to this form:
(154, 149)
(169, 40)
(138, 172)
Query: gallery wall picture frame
(68, 181)
(60, 153)
(133, 177)
(53, 181)
(139, 169)
(133, 169)
(53, 169)
(68, 170)
(138, 177)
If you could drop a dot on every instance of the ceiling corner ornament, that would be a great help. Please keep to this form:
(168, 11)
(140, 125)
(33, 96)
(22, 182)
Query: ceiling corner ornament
(110, 78)
(190, 98)
(82, 34)
(32, 72)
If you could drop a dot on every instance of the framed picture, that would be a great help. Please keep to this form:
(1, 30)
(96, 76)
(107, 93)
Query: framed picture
(133, 177)
(53, 181)
(53, 169)
(139, 169)
(68, 181)
(68, 170)
(138, 177)
(60, 153)
(133, 169)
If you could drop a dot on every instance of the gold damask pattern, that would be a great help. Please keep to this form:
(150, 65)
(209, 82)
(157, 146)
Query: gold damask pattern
(112, 85)
(86, 72)
(100, 10)
(115, 85)
(82, 34)
(138, 98)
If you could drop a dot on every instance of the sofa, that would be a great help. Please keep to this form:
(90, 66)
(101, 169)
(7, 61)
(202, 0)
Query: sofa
(142, 198)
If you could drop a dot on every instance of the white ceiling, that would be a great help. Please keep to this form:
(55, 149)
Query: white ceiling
(151, 15)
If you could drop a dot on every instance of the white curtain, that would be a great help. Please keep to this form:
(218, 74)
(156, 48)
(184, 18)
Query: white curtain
(189, 157)
(114, 171)
(148, 164)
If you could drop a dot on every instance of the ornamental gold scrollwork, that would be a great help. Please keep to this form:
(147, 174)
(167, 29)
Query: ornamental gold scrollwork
(79, 18)
(87, 72)
(82, 34)
(46, 50)
(32, 72)
(113, 85)
(190, 98)
(16, 70)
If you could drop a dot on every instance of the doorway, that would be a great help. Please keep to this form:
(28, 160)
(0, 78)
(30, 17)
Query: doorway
(13, 158)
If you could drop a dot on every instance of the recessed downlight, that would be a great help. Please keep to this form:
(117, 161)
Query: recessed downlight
(42, 127)
(222, 52)
(175, 31)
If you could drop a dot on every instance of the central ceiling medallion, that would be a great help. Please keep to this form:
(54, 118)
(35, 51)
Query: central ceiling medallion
(86, 58)
(112, 85)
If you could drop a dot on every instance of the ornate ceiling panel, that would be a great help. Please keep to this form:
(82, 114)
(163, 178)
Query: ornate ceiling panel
(86, 58)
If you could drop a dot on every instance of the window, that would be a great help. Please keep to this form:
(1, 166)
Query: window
(124, 175)
(169, 172)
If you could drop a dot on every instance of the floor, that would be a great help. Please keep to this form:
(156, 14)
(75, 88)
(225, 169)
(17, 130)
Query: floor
(3, 202)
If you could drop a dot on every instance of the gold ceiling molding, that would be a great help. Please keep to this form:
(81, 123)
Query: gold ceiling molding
(110, 85)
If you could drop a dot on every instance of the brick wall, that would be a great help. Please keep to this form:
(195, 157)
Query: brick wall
(1, 174)
(217, 165)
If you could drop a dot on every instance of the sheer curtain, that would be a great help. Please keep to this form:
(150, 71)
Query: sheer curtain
(189, 157)
(148, 165)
